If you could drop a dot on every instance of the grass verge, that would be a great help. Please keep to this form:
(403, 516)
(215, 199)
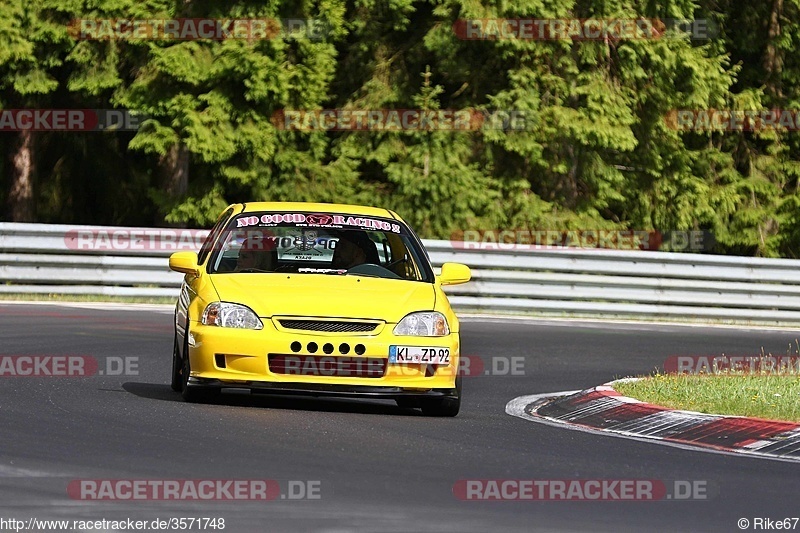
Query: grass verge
(776, 397)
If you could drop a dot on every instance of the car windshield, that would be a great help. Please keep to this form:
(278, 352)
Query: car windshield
(320, 243)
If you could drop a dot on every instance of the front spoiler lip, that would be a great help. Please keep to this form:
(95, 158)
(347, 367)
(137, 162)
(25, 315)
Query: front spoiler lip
(310, 389)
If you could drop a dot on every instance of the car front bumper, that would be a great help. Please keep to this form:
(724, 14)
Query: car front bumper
(239, 358)
(323, 389)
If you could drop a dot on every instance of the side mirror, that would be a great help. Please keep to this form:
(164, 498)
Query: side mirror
(454, 273)
(185, 262)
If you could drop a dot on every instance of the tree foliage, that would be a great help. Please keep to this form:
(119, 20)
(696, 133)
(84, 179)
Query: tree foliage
(597, 151)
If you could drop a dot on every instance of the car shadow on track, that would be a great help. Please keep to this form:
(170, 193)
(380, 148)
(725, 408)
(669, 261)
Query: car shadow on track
(156, 391)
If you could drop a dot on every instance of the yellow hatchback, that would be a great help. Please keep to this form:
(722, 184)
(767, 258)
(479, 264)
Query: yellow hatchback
(316, 299)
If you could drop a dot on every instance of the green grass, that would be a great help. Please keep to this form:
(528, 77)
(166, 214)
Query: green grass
(775, 397)
(54, 297)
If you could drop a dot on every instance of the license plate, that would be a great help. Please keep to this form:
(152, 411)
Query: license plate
(419, 354)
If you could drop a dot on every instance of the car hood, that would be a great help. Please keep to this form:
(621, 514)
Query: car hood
(322, 295)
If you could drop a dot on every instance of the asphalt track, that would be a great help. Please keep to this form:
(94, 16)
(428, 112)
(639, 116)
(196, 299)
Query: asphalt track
(381, 468)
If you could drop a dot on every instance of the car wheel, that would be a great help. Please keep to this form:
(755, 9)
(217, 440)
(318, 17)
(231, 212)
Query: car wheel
(176, 366)
(193, 394)
(444, 406)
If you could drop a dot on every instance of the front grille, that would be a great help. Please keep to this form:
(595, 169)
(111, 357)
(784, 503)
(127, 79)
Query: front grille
(327, 366)
(329, 326)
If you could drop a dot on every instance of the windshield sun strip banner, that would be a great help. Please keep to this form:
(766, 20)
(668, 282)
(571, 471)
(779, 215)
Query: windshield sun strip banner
(319, 220)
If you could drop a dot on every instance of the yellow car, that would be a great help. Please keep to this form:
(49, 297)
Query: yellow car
(316, 299)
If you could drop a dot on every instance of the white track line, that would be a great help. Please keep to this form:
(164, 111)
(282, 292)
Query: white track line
(604, 323)
(102, 306)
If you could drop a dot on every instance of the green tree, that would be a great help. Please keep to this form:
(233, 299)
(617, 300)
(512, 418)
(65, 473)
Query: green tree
(33, 44)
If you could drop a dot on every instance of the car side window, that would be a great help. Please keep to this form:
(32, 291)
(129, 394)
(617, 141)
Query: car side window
(212, 237)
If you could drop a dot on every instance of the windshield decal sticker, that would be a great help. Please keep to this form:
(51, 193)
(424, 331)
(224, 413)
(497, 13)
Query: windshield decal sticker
(323, 220)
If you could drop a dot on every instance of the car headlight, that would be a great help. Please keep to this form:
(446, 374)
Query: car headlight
(425, 324)
(228, 315)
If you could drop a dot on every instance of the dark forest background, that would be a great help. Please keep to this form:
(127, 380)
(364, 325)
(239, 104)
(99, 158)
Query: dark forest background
(598, 152)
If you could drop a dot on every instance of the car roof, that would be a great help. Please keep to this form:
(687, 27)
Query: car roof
(345, 209)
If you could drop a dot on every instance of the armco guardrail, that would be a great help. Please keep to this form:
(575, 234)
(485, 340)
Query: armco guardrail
(42, 259)
(100, 260)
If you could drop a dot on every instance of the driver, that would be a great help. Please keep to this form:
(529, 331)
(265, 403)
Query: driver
(354, 248)
(258, 252)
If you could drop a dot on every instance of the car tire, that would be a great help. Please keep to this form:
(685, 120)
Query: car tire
(444, 406)
(176, 366)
